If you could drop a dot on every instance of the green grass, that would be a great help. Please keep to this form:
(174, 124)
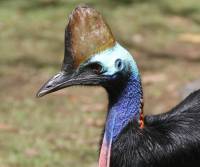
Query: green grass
(63, 129)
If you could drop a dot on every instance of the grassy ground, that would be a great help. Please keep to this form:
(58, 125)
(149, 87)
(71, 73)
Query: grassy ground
(63, 129)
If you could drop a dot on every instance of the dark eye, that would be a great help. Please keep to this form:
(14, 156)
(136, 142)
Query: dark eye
(96, 68)
(118, 64)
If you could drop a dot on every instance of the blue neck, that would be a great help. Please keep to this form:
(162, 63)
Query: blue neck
(124, 107)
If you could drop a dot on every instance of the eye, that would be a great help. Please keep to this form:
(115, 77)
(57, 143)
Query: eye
(96, 68)
(119, 64)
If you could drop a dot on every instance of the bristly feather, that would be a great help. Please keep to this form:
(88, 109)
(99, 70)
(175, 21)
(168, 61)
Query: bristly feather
(167, 140)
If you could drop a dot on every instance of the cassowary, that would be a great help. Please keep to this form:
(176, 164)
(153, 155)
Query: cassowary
(94, 57)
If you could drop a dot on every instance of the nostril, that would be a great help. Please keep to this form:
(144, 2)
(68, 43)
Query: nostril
(48, 86)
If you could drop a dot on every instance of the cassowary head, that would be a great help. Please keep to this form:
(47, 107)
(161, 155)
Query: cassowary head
(92, 55)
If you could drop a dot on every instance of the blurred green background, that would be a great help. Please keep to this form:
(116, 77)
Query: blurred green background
(63, 129)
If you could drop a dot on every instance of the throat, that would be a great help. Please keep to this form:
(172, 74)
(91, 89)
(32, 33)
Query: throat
(125, 105)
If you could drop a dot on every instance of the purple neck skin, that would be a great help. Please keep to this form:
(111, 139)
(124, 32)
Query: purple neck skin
(125, 109)
(122, 109)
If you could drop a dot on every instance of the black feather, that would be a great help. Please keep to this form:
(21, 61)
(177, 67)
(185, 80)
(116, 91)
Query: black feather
(171, 139)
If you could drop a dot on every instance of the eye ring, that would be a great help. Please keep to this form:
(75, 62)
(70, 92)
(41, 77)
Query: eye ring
(119, 64)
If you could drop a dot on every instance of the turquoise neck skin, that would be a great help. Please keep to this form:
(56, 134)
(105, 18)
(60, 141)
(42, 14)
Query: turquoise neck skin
(124, 101)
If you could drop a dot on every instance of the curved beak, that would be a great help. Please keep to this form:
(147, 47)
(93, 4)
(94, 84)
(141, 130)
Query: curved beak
(59, 81)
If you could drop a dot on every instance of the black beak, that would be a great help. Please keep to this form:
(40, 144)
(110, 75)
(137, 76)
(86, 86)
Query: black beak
(65, 79)
(57, 82)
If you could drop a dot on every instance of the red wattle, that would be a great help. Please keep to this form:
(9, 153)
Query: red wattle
(104, 159)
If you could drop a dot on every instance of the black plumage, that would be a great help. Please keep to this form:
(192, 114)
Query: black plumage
(93, 57)
(171, 139)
